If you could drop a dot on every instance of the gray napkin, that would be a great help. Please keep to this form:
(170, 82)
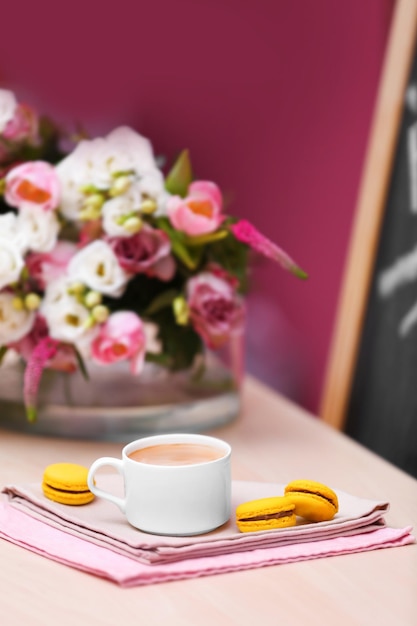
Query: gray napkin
(103, 523)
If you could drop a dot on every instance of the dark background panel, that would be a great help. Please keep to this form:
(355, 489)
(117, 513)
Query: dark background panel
(383, 406)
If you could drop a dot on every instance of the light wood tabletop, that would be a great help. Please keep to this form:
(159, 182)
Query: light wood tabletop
(274, 441)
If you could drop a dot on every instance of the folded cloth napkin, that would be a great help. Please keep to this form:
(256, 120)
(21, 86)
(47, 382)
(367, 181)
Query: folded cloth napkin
(104, 525)
(35, 535)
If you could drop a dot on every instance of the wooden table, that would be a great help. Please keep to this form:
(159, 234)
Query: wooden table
(273, 440)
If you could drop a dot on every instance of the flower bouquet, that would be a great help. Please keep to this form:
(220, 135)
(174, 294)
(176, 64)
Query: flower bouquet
(104, 258)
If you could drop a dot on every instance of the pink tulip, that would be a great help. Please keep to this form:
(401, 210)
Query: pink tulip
(33, 184)
(216, 310)
(147, 252)
(121, 338)
(200, 212)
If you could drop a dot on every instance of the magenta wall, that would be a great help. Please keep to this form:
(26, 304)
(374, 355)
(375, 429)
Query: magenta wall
(274, 100)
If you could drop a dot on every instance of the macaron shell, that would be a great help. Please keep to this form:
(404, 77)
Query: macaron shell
(263, 506)
(66, 483)
(313, 500)
(257, 515)
(67, 497)
(313, 487)
(66, 476)
(312, 507)
(251, 526)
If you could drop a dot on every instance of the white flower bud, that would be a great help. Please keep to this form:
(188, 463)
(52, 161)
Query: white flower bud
(92, 299)
(100, 313)
(148, 206)
(32, 301)
(133, 225)
(95, 201)
(120, 186)
(18, 304)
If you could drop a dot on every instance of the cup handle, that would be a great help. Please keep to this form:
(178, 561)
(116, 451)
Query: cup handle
(118, 465)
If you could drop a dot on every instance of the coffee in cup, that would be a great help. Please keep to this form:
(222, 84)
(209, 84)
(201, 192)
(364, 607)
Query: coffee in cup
(176, 454)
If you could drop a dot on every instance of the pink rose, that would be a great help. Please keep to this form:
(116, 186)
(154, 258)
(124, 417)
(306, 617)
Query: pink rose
(24, 126)
(216, 310)
(200, 212)
(45, 267)
(121, 338)
(34, 184)
(146, 252)
(220, 272)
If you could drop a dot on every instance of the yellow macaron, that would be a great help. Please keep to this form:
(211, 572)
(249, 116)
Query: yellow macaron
(312, 500)
(265, 514)
(66, 483)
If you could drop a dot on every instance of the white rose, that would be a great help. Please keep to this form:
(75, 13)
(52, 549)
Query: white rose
(152, 185)
(39, 228)
(11, 262)
(76, 171)
(66, 317)
(96, 162)
(14, 325)
(97, 266)
(8, 106)
(130, 151)
(118, 208)
(9, 229)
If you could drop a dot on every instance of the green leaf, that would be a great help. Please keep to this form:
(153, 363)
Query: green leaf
(191, 259)
(160, 359)
(81, 364)
(232, 256)
(3, 350)
(31, 414)
(161, 301)
(179, 343)
(180, 175)
(202, 240)
(298, 272)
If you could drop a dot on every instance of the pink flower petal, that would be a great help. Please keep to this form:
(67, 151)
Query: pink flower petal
(245, 232)
(206, 188)
(41, 354)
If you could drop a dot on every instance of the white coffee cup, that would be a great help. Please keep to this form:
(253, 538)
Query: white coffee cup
(186, 495)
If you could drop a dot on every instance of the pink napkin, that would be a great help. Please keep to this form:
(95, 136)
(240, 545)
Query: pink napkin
(34, 535)
(103, 524)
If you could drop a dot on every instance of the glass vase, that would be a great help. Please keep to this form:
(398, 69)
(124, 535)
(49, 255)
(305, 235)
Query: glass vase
(115, 405)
